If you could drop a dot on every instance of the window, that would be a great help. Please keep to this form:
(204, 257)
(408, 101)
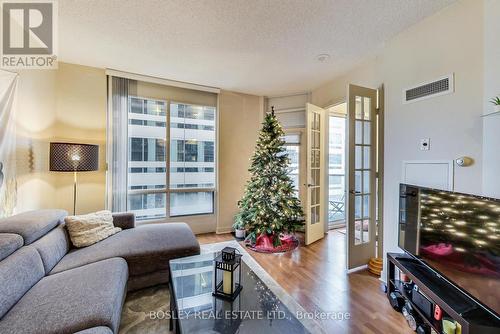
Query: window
(293, 155)
(336, 138)
(193, 162)
(208, 151)
(336, 181)
(292, 148)
(159, 149)
(177, 150)
(147, 149)
(135, 122)
(189, 203)
(135, 149)
(147, 106)
(136, 106)
(153, 107)
(191, 159)
(336, 159)
(191, 147)
(336, 169)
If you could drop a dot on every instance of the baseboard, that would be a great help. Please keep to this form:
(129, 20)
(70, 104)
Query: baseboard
(353, 270)
(224, 230)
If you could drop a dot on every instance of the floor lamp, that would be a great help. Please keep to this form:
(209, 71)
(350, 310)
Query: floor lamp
(72, 157)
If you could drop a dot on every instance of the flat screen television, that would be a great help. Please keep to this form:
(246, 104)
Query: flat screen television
(456, 235)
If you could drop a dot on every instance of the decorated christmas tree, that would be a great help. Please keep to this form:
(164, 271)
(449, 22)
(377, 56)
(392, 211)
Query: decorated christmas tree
(269, 207)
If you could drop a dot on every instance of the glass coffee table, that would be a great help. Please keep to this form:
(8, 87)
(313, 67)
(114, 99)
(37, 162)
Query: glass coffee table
(256, 309)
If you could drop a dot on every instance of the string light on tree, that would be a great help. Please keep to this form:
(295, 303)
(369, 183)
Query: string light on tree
(269, 206)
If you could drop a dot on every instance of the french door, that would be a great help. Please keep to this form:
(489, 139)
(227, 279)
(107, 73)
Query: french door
(315, 178)
(361, 181)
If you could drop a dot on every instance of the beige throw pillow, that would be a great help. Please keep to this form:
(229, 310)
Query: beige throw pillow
(86, 230)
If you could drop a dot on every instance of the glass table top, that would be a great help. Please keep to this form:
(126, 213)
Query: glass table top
(256, 309)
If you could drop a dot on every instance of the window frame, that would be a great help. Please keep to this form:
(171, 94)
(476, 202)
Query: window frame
(168, 190)
(302, 159)
(299, 153)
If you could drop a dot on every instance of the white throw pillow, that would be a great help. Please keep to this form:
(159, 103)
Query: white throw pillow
(86, 230)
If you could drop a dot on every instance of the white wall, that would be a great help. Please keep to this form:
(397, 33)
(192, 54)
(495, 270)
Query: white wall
(35, 119)
(491, 124)
(240, 117)
(449, 41)
(290, 109)
(67, 104)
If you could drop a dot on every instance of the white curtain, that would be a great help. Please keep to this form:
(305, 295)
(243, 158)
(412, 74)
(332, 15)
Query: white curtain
(8, 185)
(119, 143)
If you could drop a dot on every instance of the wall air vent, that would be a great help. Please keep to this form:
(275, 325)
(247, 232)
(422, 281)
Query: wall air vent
(441, 86)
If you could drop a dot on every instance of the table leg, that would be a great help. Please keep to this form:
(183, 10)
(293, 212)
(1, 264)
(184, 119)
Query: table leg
(171, 320)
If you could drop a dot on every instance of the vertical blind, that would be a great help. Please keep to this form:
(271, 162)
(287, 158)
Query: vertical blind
(119, 158)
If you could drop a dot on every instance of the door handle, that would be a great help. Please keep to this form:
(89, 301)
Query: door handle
(352, 192)
(309, 185)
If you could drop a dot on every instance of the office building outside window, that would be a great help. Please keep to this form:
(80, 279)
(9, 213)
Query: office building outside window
(336, 169)
(292, 149)
(191, 163)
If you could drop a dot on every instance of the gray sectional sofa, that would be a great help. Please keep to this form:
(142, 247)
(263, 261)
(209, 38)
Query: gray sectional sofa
(46, 286)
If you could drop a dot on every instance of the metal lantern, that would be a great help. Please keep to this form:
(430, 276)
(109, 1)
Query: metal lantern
(227, 270)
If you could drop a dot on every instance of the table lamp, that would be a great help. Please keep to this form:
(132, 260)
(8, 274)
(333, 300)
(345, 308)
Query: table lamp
(72, 157)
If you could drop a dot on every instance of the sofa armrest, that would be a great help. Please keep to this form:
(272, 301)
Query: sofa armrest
(125, 220)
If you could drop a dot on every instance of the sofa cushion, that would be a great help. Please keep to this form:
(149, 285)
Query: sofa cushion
(96, 330)
(32, 225)
(75, 300)
(146, 248)
(137, 282)
(9, 243)
(18, 273)
(124, 220)
(52, 247)
(86, 230)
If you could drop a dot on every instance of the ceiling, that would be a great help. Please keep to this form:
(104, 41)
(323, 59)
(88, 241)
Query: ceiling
(263, 47)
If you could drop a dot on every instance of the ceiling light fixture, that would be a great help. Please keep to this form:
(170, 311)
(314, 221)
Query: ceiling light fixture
(323, 57)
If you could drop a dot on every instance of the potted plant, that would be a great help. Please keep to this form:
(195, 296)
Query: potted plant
(239, 227)
(496, 103)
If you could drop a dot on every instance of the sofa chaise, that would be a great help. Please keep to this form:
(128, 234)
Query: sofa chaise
(47, 286)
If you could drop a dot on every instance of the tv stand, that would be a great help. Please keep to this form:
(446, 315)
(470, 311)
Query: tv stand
(472, 316)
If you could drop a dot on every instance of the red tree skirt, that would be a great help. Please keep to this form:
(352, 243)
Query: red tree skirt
(264, 244)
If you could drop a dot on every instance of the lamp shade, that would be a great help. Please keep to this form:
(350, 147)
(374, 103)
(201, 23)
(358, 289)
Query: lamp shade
(72, 157)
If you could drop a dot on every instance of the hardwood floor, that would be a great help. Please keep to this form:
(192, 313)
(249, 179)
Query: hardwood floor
(315, 276)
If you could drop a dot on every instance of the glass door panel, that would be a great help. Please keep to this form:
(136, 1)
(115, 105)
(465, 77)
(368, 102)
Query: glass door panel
(315, 180)
(361, 171)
